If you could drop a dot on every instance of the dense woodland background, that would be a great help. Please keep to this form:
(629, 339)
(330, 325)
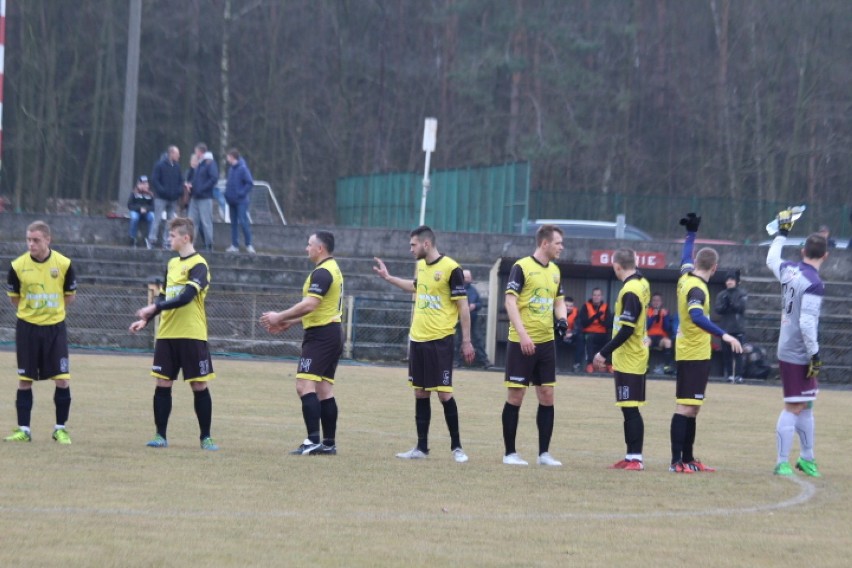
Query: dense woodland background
(741, 100)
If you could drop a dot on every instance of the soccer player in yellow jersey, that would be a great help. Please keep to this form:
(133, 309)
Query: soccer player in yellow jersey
(692, 348)
(41, 283)
(182, 335)
(533, 295)
(629, 351)
(440, 302)
(320, 311)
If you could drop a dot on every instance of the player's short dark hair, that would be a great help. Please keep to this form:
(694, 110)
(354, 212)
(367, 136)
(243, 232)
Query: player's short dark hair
(424, 233)
(184, 226)
(327, 240)
(625, 258)
(816, 246)
(706, 259)
(545, 233)
(39, 226)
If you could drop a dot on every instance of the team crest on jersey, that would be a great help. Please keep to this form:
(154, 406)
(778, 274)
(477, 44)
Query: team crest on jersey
(438, 275)
(54, 273)
(555, 279)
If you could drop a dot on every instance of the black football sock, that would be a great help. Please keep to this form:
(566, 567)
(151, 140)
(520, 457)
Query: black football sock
(311, 411)
(544, 421)
(162, 409)
(689, 441)
(510, 426)
(451, 415)
(678, 436)
(62, 400)
(634, 429)
(328, 417)
(422, 418)
(204, 411)
(24, 406)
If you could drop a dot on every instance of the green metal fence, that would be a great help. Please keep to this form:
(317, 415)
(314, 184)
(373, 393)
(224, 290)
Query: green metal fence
(490, 199)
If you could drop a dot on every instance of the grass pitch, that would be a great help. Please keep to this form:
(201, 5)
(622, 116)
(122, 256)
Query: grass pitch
(107, 500)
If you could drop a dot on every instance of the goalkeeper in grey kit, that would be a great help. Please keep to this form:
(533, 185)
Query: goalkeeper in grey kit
(798, 344)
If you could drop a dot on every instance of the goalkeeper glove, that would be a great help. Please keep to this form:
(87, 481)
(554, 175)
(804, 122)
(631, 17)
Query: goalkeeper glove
(785, 222)
(814, 366)
(561, 328)
(691, 222)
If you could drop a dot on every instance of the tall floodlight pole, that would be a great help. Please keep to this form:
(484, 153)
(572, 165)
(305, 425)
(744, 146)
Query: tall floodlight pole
(131, 91)
(430, 134)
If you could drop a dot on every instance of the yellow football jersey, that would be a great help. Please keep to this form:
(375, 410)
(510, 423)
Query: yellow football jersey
(693, 343)
(537, 287)
(632, 355)
(437, 288)
(41, 287)
(188, 321)
(326, 283)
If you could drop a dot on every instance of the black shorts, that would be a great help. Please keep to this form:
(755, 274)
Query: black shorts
(629, 389)
(42, 351)
(191, 356)
(322, 347)
(538, 369)
(692, 377)
(430, 364)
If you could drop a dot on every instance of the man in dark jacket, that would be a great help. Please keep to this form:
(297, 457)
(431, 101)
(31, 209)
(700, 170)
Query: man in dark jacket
(167, 180)
(140, 204)
(238, 195)
(201, 198)
(731, 305)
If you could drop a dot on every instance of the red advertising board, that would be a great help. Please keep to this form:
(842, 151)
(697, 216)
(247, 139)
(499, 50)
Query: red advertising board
(644, 259)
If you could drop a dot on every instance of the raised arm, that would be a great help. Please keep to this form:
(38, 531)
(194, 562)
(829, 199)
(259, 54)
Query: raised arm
(691, 222)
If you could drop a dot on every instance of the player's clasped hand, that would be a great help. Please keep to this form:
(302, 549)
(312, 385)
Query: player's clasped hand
(814, 366)
(691, 222)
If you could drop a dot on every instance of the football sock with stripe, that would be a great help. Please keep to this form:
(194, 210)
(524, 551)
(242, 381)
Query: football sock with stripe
(634, 429)
(784, 431)
(510, 426)
(24, 406)
(678, 436)
(544, 421)
(805, 429)
(204, 411)
(451, 415)
(689, 442)
(328, 417)
(162, 409)
(311, 411)
(62, 400)
(422, 418)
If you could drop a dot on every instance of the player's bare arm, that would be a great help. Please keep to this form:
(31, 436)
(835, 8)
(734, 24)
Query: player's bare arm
(381, 270)
(464, 320)
(275, 322)
(527, 345)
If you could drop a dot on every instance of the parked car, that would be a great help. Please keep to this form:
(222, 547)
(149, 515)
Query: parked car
(582, 229)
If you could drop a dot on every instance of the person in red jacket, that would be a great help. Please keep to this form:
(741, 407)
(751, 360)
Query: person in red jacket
(596, 324)
(661, 331)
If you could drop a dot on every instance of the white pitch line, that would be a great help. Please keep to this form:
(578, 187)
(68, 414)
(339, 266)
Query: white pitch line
(807, 492)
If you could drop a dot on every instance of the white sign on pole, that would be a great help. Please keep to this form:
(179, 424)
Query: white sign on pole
(430, 136)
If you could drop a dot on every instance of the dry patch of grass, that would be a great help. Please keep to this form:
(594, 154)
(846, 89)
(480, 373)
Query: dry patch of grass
(107, 500)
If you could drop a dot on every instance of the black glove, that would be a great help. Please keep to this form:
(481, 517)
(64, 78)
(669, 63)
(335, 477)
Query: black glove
(785, 222)
(691, 222)
(561, 327)
(814, 367)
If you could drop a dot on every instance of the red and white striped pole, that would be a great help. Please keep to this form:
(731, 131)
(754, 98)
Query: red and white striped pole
(2, 70)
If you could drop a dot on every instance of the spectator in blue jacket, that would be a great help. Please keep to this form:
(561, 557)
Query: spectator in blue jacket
(201, 197)
(167, 180)
(238, 195)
